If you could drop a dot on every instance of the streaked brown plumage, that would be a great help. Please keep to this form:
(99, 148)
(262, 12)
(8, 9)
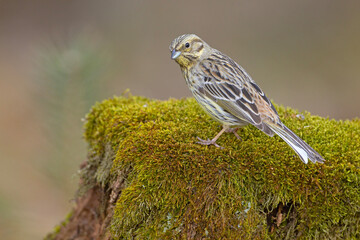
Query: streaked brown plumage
(229, 95)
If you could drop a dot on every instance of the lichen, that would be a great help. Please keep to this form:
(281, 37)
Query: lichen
(177, 189)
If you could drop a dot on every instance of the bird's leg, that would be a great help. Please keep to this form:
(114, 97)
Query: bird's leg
(213, 141)
(233, 130)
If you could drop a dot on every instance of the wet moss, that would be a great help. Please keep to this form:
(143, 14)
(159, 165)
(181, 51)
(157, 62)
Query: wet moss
(256, 188)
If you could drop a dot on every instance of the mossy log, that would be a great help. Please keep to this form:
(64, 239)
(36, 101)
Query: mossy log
(146, 178)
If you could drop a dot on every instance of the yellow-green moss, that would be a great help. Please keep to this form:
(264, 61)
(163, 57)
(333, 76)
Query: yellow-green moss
(57, 228)
(176, 188)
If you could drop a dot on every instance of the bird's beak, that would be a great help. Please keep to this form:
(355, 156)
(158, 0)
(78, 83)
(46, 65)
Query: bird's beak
(175, 54)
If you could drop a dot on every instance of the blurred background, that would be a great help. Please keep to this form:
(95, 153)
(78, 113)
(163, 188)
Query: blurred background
(57, 58)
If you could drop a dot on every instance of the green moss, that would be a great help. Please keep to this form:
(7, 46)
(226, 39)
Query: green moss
(57, 228)
(176, 188)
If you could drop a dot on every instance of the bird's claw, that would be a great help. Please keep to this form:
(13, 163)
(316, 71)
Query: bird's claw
(208, 142)
(233, 130)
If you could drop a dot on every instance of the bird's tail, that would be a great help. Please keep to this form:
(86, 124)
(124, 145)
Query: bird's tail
(304, 151)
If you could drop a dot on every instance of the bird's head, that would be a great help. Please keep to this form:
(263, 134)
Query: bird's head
(187, 49)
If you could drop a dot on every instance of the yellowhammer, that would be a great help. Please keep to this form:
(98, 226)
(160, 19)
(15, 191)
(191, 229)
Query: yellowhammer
(229, 95)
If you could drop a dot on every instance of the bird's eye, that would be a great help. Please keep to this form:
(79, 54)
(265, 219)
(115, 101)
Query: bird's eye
(187, 45)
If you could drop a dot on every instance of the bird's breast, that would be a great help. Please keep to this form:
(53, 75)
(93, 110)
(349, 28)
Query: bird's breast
(193, 79)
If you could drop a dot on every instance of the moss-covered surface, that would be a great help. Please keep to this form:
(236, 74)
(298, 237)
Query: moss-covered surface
(256, 188)
(52, 235)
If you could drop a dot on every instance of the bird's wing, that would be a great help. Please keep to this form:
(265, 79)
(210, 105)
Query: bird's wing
(233, 89)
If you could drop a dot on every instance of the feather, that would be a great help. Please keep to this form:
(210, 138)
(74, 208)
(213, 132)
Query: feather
(304, 151)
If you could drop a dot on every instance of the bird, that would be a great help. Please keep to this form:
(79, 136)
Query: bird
(229, 95)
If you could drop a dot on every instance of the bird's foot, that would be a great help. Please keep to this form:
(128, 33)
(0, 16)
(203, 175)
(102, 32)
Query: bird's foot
(208, 142)
(233, 130)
